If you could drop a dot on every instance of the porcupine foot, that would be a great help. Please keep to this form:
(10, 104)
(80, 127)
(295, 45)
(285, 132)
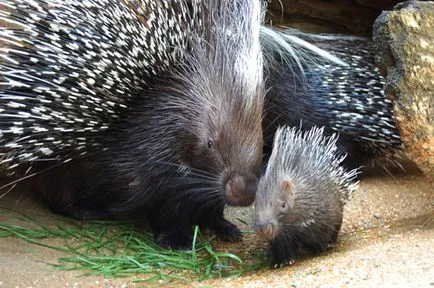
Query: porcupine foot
(174, 239)
(226, 231)
(287, 262)
(182, 240)
(279, 262)
(284, 253)
(287, 258)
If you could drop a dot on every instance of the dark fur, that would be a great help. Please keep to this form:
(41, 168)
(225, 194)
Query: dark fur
(295, 241)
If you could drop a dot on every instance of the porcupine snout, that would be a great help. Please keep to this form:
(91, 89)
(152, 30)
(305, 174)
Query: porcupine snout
(240, 189)
(265, 229)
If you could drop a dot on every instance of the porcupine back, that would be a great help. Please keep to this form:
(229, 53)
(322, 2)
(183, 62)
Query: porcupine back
(190, 141)
(348, 99)
(68, 69)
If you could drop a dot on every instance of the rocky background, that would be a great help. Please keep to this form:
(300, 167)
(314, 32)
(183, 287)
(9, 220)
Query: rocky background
(335, 16)
(405, 52)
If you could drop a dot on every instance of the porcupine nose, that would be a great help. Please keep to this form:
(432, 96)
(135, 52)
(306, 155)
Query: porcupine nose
(265, 230)
(241, 189)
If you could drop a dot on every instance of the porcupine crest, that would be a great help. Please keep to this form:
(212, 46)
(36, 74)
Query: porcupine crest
(69, 68)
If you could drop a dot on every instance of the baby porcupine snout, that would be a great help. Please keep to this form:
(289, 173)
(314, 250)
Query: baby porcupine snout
(240, 189)
(265, 229)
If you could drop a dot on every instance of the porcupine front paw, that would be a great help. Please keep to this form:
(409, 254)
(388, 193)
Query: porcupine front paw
(285, 258)
(280, 264)
(173, 239)
(284, 253)
(226, 231)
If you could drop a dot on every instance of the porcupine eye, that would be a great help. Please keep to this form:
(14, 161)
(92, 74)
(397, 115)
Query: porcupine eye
(209, 144)
(284, 206)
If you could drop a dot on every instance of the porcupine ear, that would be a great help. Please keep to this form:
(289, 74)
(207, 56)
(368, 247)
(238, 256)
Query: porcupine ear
(288, 191)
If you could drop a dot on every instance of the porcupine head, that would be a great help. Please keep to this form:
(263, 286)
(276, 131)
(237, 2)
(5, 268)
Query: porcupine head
(300, 197)
(224, 106)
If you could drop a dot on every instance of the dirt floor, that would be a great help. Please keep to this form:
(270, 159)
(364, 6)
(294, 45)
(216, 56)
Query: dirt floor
(387, 240)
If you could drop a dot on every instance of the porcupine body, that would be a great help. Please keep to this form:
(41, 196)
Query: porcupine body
(69, 68)
(315, 91)
(136, 104)
(300, 198)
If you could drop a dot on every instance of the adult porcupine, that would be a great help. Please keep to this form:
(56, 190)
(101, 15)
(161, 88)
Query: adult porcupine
(173, 145)
(300, 198)
(348, 99)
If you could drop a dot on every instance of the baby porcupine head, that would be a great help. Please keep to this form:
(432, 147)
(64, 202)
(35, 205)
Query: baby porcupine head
(303, 182)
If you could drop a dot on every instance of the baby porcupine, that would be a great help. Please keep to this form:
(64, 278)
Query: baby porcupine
(347, 97)
(139, 109)
(300, 198)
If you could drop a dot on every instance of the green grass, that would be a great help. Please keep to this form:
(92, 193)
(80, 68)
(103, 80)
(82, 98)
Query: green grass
(114, 249)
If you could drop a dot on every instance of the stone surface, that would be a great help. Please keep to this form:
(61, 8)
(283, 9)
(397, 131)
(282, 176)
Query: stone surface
(405, 52)
(387, 240)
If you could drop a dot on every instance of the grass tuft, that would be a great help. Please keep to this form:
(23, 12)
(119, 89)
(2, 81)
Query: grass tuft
(115, 249)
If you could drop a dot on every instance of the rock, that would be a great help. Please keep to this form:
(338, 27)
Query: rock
(405, 53)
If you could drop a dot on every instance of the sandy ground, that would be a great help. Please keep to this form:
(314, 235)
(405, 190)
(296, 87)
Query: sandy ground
(387, 240)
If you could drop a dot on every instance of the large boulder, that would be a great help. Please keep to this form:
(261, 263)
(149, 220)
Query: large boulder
(405, 53)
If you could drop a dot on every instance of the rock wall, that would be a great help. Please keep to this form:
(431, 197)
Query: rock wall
(405, 52)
